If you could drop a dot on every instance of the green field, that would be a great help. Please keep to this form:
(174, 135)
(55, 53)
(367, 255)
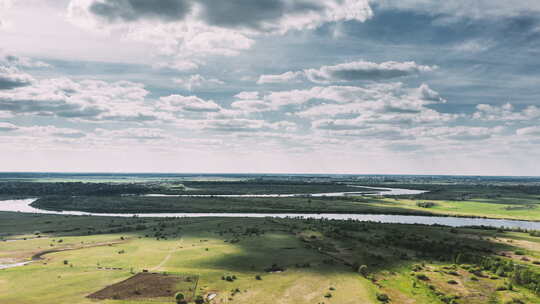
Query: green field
(509, 208)
(321, 260)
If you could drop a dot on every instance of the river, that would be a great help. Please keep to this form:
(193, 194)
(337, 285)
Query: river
(23, 205)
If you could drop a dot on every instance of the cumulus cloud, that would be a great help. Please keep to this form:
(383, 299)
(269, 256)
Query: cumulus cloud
(286, 77)
(365, 70)
(11, 77)
(351, 71)
(506, 112)
(180, 103)
(194, 28)
(90, 100)
(196, 81)
(391, 97)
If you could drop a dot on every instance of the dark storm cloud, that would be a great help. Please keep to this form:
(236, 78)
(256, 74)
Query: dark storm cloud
(133, 10)
(229, 13)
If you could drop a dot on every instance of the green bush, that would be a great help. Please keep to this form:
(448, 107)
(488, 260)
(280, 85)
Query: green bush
(382, 297)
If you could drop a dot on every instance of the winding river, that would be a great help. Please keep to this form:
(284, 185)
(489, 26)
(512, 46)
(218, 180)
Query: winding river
(23, 205)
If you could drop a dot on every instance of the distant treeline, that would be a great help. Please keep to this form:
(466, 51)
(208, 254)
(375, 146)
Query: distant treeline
(265, 187)
(74, 188)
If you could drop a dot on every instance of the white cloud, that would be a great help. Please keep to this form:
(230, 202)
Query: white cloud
(286, 77)
(506, 112)
(89, 100)
(251, 105)
(201, 28)
(197, 81)
(180, 103)
(391, 97)
(11, 77)
(350, 71)
(365, 70)
(247, 95)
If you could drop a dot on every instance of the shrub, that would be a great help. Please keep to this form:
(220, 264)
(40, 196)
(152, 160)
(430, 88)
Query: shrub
(453, 282)
(425, 204)
(382, 297)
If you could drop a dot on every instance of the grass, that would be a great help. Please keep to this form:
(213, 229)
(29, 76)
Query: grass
(508, 208)
(245, 247)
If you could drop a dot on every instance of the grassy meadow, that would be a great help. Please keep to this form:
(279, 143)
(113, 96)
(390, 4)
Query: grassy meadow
(271, 260)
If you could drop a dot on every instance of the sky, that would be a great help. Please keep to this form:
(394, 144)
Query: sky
(270, 86)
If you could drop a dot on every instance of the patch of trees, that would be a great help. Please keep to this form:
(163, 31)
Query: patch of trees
(518, 274)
